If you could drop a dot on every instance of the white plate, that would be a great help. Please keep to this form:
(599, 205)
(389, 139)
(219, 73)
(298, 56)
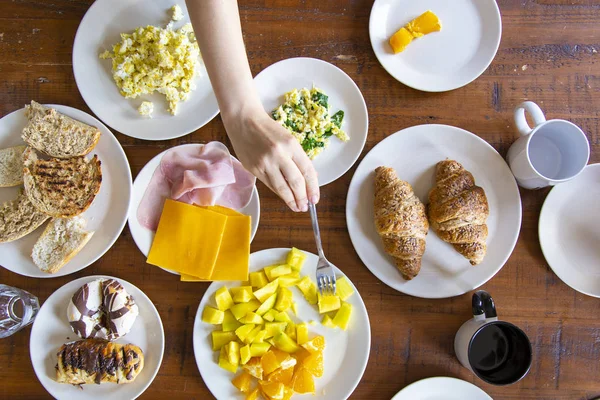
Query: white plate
(346, 352)
(98, 31)
(51, 330)
(414, 153)
(440, 61)
(142, 236)
(441, 388)
(569, 229)
(297, 73)
(106, 216)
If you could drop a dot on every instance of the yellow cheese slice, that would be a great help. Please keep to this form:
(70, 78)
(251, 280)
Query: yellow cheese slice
(188, 239)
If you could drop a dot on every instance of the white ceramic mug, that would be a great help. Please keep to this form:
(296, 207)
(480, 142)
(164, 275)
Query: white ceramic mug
(498, 352)
(549, 153)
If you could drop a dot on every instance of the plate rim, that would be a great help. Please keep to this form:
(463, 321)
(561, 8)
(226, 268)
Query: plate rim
(513, 184)
(86, 279)
(544, 211)
(355, 86)
(433, 380)
(498, 19)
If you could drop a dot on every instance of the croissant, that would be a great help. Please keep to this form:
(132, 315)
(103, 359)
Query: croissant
(458, 210)
(400, 220)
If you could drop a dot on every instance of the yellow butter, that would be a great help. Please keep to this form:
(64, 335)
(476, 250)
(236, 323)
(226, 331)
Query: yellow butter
(424, 24)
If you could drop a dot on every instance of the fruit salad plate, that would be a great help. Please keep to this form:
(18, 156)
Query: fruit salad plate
(51, 330)
(346, 351)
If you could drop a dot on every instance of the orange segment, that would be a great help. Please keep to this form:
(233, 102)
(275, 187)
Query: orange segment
(282, 376)
(303, 382)
(316, 344)
(275, 390)
(253, 395)
(301, 354)
(254, 367)
(314, 364)
(287, 393)
(269, 362)
(242, 382)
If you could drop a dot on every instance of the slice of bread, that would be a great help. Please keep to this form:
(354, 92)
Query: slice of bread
(61, 188)
(18, 218)
(11, 166)
(62, 239)
(57, 135)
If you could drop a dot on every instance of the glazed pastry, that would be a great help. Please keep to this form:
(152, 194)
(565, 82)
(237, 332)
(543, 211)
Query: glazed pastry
(400, 220)
(98, 361)
(458, 210)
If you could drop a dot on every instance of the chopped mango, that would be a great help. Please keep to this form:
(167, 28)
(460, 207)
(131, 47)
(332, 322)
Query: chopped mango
(245, 354)
(290, 330)
(328, 322)
(342, 317)
(242, 294)
(258, 279)
(253, 395)
(224, 361)
(258, 349)
(270, 315)
(284, 299)
(343, 288)
(240, 310)
(400, 40)
(424, 24)
(295, 308)
(267, 305)
(252, 335)
(308, 289)
(288, 280)
(243, 382)
(229, 322)
(273, 328)
(251, 318)
(282, 317)
(268, 290)
(284, 343)
(233, 352)
(328, 303)
(243, 331)
(301, 333)
(275, 271)
(213, 316)
(223, 299)
(295, 259)
(260, 336)
(220, 339)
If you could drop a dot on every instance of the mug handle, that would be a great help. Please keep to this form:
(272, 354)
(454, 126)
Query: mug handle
(536, 113)
(483, 306)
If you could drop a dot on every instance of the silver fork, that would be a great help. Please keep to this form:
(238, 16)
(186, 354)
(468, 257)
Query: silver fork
(325, 271)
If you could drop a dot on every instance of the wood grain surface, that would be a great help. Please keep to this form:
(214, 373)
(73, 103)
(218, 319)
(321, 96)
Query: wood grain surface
(549, 54)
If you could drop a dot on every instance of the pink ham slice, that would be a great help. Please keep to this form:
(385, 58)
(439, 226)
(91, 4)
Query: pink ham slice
(200, 174)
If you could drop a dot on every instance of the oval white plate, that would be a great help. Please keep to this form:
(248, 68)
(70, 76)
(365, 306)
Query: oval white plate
(346, 352)
(106, 216)
(414, 152)
(98, 31)
(569, 229)
(143, 237)
(441, 388)
(51, 330)
(297, 73)
(440, 61)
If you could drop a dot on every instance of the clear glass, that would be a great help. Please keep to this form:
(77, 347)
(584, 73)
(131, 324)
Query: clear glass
(18, 309)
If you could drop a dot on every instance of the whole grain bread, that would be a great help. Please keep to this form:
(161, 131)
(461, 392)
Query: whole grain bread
(61, 188)
(11, 166)
(57, 135)
(18, 218)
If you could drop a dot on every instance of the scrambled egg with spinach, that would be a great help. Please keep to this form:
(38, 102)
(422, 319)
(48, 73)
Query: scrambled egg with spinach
(306, 114)
(153, 59)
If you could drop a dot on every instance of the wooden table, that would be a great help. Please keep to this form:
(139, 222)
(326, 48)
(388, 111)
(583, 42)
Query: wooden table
(549, 54)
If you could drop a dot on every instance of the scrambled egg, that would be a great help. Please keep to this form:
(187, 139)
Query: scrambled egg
(306, 114)
(156, 59)
(146, 108)
(177, 14)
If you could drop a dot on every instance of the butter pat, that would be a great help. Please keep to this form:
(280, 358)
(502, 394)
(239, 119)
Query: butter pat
(424, 24)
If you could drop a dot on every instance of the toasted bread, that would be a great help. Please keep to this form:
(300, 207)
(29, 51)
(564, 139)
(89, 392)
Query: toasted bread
(18, 218)
(11, 166)
(57, 135)
(61, 188)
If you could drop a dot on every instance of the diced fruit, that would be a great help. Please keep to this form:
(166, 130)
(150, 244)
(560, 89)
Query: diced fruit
(343, 288)
(267, 305)
(342, 317)
(269, 362)
(245, 354)
(211, 315)
(275, 390)
(275, 271)
(301, 333)
(252, 335)
(242, 294)
(290, 330)
(288, 280)
(273, 328)
(243, 331)
(258, 279)
(308, 289)
(252, 318)
(315, 344)
(224, 361)
(295, 308)
(284, 299)
(314, 364)
(260, 337)
(220, 339)
(266, 291)
(254, 367)
(328, 322)
(229, 322)
(295, 259)
(282, 317)
(253, 395)
(269, 315)
(288, 392)
(240, 310)
(284, 343)
(233, 352)
(303, 382)
(258, 349)
(328, 303)
(285, 360)
(223, 299)
(301, 354)
(282, 375)
(242, 382)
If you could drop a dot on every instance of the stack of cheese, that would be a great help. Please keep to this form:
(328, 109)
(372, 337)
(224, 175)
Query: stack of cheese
(202, 243)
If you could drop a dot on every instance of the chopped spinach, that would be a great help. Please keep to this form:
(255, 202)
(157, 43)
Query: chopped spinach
(288, 110)
(274, 114)
(300, 108)
(337, 118)
(320, 98)
(310, 144)
(291, 124)
(327, 133)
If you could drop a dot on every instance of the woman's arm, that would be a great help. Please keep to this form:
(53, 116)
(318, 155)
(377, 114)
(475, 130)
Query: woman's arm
(263, 146)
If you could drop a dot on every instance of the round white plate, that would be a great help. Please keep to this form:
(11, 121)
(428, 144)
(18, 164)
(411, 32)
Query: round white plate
(106, 216)
(98, 31)
(346, 352)
(440, 61)
(297, 73)
(569, 229)
(51, 330)
(441, 388)
(414, 153)
(144, 237)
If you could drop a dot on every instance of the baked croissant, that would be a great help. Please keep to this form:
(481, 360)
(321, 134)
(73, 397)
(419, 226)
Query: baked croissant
(458, 210)
(400, 220)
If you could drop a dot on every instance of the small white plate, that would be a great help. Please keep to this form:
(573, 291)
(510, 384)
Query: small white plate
(51, 330)
(441, 388)
(569, 229)
(142, 236)
(414, 153)
(106, 216)
(440, 61)
(98, 31)
(297, 73)
(346, 352)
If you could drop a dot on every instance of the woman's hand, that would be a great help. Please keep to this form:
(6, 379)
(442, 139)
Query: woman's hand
(274, 156)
